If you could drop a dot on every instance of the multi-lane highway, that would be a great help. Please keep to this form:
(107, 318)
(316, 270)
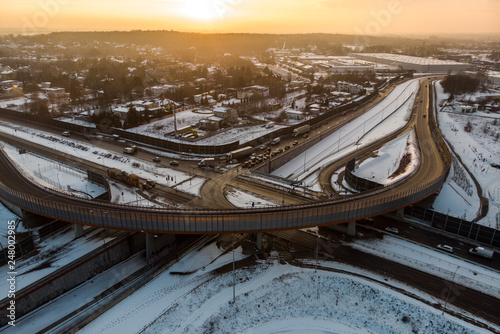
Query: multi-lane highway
(425, 181)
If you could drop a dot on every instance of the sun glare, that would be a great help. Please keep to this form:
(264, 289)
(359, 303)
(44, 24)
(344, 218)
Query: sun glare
(200, 9)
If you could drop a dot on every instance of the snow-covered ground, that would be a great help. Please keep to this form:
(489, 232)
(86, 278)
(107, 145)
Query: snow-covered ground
(178, 180)
(477, 150)
(53, 174)
(380, 168)
(242, 199)
(272, 298)
(53, 253)
(386, 117)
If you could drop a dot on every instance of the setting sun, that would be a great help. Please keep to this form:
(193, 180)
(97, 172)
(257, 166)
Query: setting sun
(199, 9)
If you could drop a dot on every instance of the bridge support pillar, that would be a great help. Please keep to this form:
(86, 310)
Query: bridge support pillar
(259, 241)
(400, 212)
(157, 242)
(351, 228)
(348, 228)
(79, 230)
(150, 245)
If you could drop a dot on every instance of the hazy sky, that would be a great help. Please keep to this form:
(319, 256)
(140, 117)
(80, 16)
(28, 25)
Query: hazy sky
(366, 17)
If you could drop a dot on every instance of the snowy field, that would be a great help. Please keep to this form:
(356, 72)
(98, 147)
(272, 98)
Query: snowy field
(271, 298)
(477, 150)
(386, 117)
(181, 181)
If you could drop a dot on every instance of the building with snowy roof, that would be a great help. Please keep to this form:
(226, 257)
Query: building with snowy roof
(417, 64)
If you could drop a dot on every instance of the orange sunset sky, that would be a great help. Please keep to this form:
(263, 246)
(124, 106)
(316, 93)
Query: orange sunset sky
(369, 17)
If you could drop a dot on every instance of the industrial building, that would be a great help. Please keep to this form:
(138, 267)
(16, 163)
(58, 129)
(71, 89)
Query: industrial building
(417, 64)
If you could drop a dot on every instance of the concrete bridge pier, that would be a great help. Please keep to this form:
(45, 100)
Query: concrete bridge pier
(348, 228)
(351, 228)
(156, 242)
(79, 231)
(400, 212)
(259, 241)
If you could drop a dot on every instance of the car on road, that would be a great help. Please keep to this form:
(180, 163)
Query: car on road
(156, 159)
(66, 133)
(392, 230)
(287, 147)
(174, 163)
(305, 136)
(445, 248)
(295, 143)
(262, 147)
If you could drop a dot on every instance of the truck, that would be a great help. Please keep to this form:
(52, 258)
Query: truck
(124, 177)
(130, 150)
(483, 252)
(239, 153)
(276, 141)
(300, 130)
(207, 162)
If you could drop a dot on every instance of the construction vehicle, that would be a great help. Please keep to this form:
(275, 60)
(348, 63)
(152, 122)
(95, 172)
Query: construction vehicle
(124, 177)
(300, 130)
(130, 149)
(239, 153)
(148, 185)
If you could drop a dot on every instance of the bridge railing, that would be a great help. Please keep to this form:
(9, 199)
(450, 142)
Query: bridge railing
(220, 221)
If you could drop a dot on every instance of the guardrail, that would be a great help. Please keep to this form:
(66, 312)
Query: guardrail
(220, 221)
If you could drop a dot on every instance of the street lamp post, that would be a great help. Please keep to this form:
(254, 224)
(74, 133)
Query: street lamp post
(449, 291)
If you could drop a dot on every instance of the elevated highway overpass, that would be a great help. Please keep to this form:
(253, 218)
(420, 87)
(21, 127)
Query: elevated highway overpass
(435, 158)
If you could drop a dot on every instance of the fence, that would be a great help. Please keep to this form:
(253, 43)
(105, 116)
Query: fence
(47, 121)
(177, 146)
(461, 227)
